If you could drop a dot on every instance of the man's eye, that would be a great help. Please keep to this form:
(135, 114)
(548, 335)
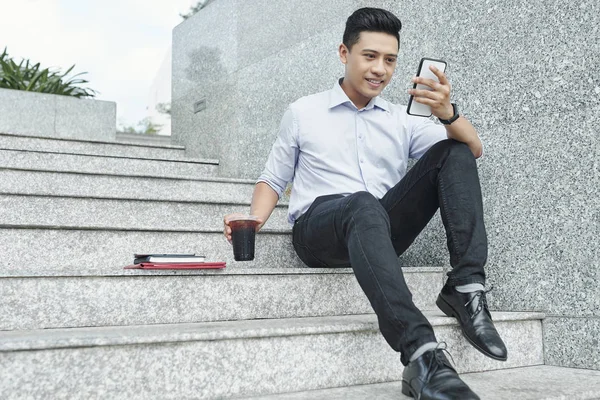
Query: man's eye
(370, 56)
(391, 60)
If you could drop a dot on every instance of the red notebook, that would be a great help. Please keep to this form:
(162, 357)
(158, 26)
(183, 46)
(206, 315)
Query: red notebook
(203, 265)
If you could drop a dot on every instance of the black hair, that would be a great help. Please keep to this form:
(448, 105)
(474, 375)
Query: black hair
(370, 20)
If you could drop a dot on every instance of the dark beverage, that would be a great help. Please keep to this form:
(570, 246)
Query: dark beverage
(243, 235)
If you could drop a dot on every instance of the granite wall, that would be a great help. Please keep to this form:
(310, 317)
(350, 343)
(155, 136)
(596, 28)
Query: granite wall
(524, 72)
(42, 114)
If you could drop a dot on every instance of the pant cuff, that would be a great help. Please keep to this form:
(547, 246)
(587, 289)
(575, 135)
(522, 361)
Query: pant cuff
(452, 282)
(408, 352)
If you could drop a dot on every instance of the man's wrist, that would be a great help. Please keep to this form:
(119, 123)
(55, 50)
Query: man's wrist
(449, 112)
(452, 118)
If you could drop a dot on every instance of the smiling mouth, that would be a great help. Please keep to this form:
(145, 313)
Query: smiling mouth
(375, 82)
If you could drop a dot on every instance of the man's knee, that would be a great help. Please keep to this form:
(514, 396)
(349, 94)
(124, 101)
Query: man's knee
(363, 205)
(454, 151)
(460, 150)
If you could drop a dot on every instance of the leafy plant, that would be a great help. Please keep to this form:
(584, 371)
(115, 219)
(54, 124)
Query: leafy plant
(145, 126)
(32, 78)
(194, 9)
(164, 108)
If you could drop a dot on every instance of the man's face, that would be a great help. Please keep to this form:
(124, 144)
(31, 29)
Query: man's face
(369, 66)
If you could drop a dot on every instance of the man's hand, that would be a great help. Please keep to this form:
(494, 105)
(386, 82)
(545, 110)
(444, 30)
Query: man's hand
(438, 98)
(227, 228)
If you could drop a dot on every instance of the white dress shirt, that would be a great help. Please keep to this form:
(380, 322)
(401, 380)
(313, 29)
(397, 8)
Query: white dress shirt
(326, 145)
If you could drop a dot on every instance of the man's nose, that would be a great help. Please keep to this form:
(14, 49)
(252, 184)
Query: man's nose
(378, 67)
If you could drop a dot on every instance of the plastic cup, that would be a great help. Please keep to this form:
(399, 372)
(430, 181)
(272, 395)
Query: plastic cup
(243, 235)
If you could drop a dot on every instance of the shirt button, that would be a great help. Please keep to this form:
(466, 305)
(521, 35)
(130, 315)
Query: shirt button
(362, 161)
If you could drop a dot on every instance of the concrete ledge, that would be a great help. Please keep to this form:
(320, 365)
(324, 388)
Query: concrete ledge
(124, 214)
(219, 360)
(106, 164)
(572, 341)
(49, 115)
(39, 302)
(527, 383)
(120, 186)
(85, 146)
(144, 139)
(104, 250)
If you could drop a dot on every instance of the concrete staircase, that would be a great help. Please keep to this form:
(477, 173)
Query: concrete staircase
(74, 324)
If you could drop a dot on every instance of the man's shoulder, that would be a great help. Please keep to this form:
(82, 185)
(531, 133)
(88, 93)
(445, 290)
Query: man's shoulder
(321, 101)
(398, 111)
(393, 107)
(311, 102)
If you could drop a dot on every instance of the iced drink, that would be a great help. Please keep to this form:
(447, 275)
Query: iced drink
(243, 234)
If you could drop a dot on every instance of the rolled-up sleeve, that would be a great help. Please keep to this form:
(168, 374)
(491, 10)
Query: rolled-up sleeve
(424, 133)
(279, 169)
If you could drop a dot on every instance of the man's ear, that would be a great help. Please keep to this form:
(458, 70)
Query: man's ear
(343, 52)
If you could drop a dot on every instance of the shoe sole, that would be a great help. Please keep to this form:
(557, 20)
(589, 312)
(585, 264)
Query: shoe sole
(407, 390)
(449, 311)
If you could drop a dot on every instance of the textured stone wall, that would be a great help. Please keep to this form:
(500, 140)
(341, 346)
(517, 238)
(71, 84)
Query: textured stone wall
(40, 114)
(524, 72)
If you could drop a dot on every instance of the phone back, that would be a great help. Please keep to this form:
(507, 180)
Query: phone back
(419, 109)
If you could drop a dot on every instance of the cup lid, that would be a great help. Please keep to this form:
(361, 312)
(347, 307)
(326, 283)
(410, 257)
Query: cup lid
(244, 218)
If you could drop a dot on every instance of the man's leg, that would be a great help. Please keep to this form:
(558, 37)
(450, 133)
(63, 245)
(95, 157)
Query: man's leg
(338, 230)
(446, 178)
(354, 231)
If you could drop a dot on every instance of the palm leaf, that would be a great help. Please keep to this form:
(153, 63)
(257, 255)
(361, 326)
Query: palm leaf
(29, 76)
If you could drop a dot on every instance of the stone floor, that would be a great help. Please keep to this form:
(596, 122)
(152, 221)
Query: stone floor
(529, 383)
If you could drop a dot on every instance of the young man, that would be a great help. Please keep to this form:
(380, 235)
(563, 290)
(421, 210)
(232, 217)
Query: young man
(353, 204)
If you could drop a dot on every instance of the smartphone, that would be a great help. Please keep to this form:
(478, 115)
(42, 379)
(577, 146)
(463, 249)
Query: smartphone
(418, 109)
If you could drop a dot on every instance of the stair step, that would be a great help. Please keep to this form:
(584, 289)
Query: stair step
(36, 210)
(39, 182)
(126, 137)
(106, 164)
(227, 359)
(541, 382)
(68, 250)
(134, 297)
(93, 147)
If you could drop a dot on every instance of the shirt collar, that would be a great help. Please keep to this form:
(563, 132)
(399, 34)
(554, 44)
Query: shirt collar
(338, 96)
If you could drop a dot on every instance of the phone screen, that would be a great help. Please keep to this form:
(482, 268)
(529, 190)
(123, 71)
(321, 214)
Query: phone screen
(419, 109)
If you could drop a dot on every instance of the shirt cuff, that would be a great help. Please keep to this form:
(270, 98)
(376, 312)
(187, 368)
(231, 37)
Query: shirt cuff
(278, 189)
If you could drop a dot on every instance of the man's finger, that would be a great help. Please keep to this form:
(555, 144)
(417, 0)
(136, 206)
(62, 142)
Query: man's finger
(426, 101)
(441, 76)
(423, 93)
(427, 82)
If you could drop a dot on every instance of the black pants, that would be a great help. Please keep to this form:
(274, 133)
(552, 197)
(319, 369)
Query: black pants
(369, 234)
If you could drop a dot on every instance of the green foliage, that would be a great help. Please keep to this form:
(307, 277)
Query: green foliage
(194, 9)
(32, 78)
(145, 126)
(164, 108)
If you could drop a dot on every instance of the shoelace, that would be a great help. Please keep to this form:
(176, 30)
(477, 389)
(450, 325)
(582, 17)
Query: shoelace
(482, 304)
(434, 363)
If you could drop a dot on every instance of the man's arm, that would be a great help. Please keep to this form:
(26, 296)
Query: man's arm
(264, 200)
(462, 131)
(439, 100)
(278, 171)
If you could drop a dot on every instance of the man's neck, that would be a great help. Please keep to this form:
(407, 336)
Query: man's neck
(356, 98)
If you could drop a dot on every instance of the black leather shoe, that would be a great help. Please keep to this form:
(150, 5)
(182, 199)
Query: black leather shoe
(432, 377)
(471, 311)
